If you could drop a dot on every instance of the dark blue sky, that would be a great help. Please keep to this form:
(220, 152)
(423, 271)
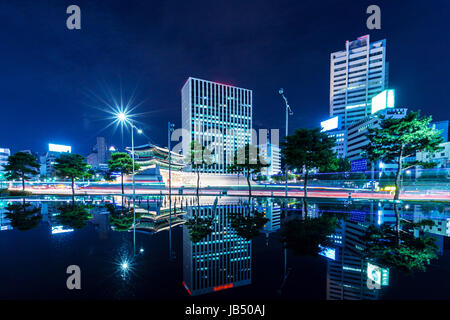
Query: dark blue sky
(50, 76)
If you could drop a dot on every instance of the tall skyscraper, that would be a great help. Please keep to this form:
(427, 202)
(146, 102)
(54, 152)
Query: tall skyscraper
(218, 116)
(98, 159)
(356, 75)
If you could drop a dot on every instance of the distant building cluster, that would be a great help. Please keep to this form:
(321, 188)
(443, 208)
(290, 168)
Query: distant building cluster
(359, 95)
(220, 117)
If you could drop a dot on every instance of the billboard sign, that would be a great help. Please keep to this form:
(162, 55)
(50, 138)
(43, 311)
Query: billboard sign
(359, 165)
(330, 124)
(380, 276)
(385, 99)
(59, 148)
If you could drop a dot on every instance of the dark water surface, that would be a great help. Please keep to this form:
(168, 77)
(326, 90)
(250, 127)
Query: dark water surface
(227, 261)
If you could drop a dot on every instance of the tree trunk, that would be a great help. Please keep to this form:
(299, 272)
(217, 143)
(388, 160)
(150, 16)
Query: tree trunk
(305, 185)
(122, 183)
(398, 176)
(23, 183)
(305, 208)
(198, 182)
(397, 223)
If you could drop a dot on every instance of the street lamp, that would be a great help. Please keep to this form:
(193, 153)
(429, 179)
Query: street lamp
(288, 112)
(126, 119)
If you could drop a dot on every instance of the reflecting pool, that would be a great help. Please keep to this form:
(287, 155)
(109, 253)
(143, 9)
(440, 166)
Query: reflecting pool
(223, 248)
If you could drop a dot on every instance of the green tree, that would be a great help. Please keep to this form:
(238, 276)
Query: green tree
(121, 218)
(73, 216)
(122, 162)
(309, 236)
(398, 139)
(344, 165)
(247, 224)
(199, 157)
(23, 216)
(398, 247)
(307, 149)
(247, 160)
(199, 227)
(23, 166)
(71, 166)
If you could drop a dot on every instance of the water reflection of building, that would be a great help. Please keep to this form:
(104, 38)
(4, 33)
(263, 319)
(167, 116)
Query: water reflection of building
(5, 223)
(100, 220)
(347, 274)
(272, 211)
(221, 260)
(441, 227)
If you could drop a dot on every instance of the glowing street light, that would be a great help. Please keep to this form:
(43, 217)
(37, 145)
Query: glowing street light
(124, 265)
(125, 118)
(122, 117)
(288, 113)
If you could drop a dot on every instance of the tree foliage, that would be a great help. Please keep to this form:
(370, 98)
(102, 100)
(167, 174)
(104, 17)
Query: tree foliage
(73, 216)
(23, 216)
(199, 157)
(398, 139)
(71, 166)
(307, 149)
(199, 227)
(23, 166)
(248, 160)
(122, 162)
(121, 219)
(399, 248)
(307, 236)
(247, 224)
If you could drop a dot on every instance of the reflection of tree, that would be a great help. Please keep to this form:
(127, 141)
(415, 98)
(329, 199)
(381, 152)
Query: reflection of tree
(23, 216)
(398, 247)
(306, 236)
(121, 218)
(248, 224)
(73, 216)
(199, 227)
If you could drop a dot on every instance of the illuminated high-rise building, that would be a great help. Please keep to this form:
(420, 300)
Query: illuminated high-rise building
(347, 272)
(218, 116)
(357, 74)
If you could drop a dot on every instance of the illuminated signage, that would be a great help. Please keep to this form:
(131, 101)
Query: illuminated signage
(223, 287)
(383, 100)
(59, 148)
(378, 275)
(60, 229)
(327, 252)
(330, 124)
(359, 165)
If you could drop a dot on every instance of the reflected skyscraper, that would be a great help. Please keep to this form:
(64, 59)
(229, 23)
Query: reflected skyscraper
(347, 274)
(222, 259)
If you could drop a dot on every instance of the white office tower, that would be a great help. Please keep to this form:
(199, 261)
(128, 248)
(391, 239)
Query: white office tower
(333, 128)
(356, 75)
(271, 155)
(218, 116)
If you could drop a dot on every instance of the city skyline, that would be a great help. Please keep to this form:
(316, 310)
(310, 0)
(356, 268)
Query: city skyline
(62, 70)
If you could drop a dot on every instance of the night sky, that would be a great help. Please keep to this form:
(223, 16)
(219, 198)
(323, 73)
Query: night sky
(53, 80)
